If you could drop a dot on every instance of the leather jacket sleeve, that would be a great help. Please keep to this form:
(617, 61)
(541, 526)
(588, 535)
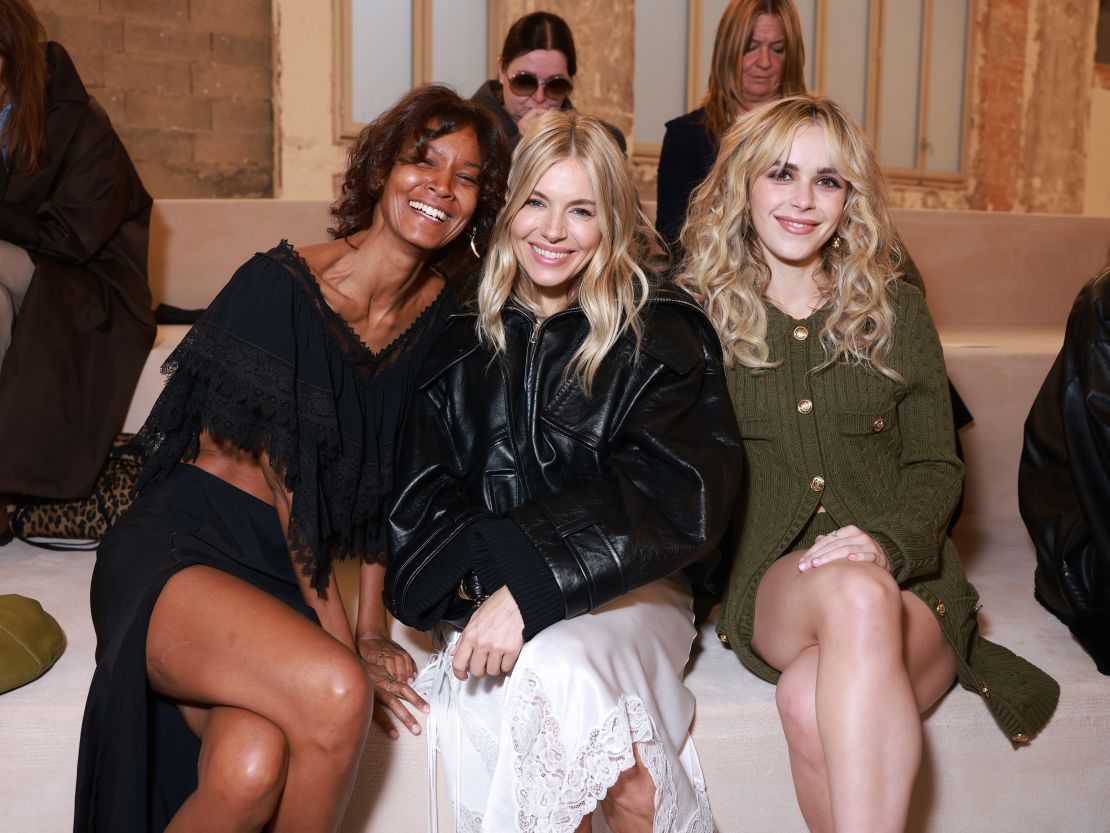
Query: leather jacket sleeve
(1064, 477)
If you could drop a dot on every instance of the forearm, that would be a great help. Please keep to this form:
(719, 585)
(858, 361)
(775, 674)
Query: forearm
(329, 608)
(371, 606)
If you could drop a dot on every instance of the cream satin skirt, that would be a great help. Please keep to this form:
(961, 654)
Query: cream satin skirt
(537, 749)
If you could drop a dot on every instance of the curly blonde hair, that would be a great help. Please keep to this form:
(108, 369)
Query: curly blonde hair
(613, 287)
(725, 268)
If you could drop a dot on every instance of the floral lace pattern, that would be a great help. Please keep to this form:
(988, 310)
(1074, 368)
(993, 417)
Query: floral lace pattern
(556, 791)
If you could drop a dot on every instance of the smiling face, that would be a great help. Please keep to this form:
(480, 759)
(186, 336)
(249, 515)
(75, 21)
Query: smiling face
(542, 63)
(556, 233)
(428, 202)
(761, 64)
(797, 206)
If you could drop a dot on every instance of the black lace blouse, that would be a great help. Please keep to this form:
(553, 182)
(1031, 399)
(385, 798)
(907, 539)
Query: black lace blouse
(270, 367)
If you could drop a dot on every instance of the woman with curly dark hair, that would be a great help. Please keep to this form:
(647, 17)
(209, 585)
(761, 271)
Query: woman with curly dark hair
(230, 692)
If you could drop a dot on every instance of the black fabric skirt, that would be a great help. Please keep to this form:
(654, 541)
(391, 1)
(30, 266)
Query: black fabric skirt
(138, 759)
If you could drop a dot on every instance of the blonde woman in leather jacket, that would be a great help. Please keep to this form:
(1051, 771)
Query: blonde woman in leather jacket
(570, 450)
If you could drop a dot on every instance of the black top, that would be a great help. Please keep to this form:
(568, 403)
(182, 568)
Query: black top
(688, 152)
(272, 368)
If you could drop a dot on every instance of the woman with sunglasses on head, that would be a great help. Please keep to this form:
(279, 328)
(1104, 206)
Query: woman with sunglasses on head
(571, 449)
(230, 692)
(536, 72)
(845, 590)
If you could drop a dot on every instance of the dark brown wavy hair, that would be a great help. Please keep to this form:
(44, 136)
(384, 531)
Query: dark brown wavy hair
(23, 83)
(404, 130)
(539, 30)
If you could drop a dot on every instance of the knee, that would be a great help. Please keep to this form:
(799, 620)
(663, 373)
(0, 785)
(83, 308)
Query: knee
(633, 794)
(244, 770)
(864, 599)
(338, 705)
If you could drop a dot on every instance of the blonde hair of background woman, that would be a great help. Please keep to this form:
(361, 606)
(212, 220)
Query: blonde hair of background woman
(725, 268)
(734, 31)
(613, 288)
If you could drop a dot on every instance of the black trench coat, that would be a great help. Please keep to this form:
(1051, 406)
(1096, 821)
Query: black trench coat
(86, 327)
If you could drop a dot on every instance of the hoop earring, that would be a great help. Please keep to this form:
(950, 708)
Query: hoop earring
(473, 247)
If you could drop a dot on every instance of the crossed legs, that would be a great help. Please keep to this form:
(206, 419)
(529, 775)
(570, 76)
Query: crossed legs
(860, 660)
(281, 707)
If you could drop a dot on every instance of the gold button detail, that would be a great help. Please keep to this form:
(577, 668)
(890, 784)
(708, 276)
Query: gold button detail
(941, 610)
(1020, 737)
(723, 637)
(878, 425)
(985, 690)
(805, 406)
(817, 484)
(801, 333)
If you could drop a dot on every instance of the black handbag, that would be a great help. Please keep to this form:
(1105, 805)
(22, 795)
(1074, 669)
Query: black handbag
(80, 523)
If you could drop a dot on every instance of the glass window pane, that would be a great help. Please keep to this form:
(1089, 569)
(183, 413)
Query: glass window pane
(947, 64)
(660, 77)
(460, 30)
(711, 11)
(898, 94)
(381, 55)
(807, 15)
(846, 34)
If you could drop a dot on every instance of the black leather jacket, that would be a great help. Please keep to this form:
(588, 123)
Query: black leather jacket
(511, 473)
(1064, 477)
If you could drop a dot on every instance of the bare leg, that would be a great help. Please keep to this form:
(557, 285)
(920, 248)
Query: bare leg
(243, 763)
(629, 806)
(869, 659)
(214, 639)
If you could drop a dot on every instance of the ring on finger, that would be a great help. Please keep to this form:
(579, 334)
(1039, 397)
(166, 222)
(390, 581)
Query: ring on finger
(378, 657)
(835, 533)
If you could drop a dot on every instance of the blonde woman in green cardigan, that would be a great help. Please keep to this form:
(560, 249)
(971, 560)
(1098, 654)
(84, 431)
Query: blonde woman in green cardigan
(845, 589)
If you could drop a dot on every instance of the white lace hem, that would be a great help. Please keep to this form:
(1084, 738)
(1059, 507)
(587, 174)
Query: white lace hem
(554, 793)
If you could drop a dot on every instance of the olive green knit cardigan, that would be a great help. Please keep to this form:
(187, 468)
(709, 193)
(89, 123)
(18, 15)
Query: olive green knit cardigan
(878, 454)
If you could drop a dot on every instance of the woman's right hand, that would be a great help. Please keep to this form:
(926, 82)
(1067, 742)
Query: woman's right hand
(392, 670)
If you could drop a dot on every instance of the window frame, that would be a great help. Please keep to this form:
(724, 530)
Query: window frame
(648, 153)
(345, 127)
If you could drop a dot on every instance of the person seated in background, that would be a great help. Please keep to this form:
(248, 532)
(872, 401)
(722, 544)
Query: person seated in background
(845, 590)
(536, 71)
(1064, 476)
(758, 56)
(75, 318)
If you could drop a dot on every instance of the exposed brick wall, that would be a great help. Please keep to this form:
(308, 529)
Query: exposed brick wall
(187, 83)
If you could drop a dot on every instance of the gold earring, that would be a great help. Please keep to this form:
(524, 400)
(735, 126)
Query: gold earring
(836, 243)
(473, 247)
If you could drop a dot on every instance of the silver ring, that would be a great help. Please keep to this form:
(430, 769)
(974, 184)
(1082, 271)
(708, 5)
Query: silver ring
(835, 533)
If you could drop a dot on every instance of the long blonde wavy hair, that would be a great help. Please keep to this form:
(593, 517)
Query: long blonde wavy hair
(725, 268)
(613, 287)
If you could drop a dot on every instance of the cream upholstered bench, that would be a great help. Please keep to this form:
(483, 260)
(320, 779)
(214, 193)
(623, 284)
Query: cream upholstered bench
(999, 286)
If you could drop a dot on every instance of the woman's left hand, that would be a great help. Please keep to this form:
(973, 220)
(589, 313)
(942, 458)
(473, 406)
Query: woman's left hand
(492, 639)
(391, 669)
(848, 542)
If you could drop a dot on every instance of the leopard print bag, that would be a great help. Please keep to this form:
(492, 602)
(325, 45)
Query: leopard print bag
(80, 523)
